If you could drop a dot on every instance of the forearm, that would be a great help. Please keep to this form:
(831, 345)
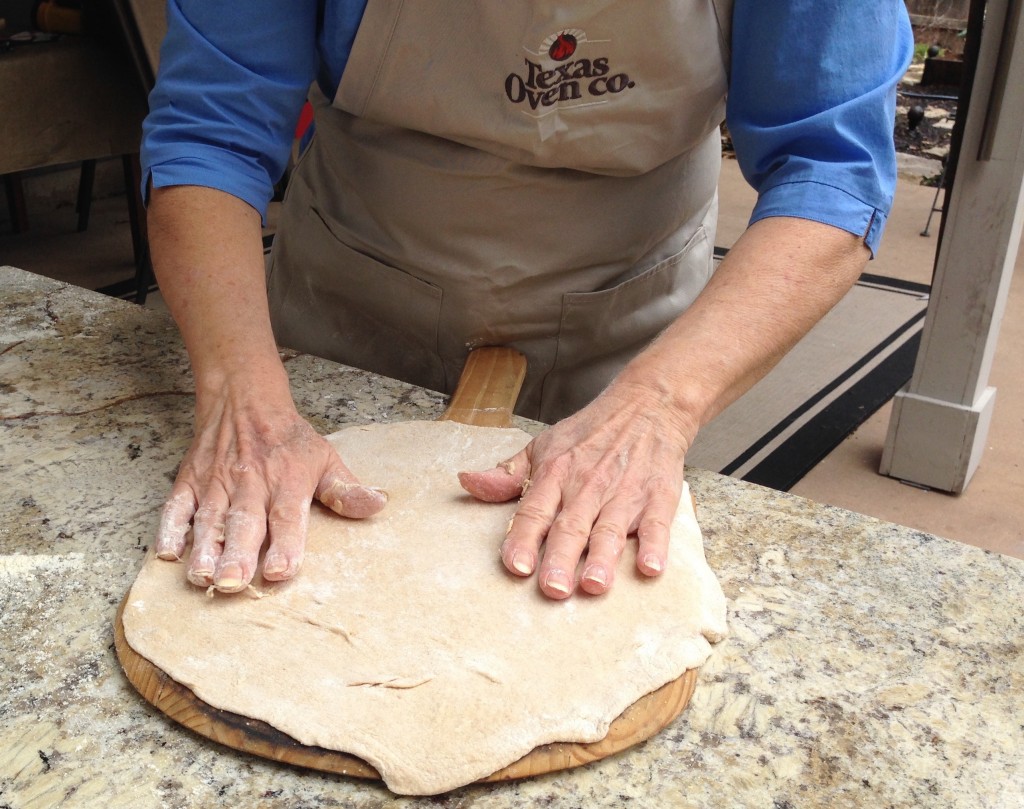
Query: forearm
(778, 280)
(208, 258)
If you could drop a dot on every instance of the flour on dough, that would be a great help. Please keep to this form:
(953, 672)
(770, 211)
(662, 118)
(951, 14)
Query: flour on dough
(403, 641)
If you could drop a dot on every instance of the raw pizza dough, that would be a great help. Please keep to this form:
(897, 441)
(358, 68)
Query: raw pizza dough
(404, 641)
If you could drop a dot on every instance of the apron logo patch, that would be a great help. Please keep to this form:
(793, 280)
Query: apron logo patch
(565, 81)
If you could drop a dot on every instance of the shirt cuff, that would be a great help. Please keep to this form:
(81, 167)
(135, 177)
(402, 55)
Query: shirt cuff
(819, 202)
(209, 173)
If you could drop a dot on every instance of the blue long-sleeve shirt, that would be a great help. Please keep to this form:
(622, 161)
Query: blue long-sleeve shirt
(811, 104)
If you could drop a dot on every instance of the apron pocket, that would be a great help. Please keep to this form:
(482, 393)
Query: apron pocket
(334, 301)
(602, 331)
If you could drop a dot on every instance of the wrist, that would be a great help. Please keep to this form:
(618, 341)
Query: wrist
(242, 375)
(662, 397)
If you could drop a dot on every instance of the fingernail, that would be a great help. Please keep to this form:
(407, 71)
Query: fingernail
(229, 577)
(557, 580)
(275, 565)
(200, 578)
(652, 562)
(167, 546)
(596, 574)
(201, 571)
(356, 500)
(522, 563)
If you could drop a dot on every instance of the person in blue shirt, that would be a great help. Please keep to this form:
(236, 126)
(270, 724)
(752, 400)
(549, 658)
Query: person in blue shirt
(531, 174)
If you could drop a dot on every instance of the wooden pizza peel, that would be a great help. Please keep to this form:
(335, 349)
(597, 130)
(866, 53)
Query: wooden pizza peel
(485, 396)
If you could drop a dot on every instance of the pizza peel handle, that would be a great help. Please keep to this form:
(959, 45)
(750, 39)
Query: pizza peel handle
(488, 388)
(485, 397)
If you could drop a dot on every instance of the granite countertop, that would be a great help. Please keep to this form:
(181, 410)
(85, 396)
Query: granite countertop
(868, 664)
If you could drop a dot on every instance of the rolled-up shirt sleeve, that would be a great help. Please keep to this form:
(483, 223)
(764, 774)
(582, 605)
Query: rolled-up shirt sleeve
(812, 104)
(231, 83)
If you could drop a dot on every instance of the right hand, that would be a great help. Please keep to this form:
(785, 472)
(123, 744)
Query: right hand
(248, 479)
(254, 465)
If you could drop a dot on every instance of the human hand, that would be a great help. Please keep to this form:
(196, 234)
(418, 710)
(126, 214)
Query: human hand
(611, 470)
(248, 478)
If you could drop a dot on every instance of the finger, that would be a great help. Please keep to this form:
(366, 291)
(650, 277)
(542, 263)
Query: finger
(177, 514)
(245, 529)
(529, 526)
(207, 537)
(571, 530)
(502, 483)
(654, 528)
(287, 525)
(565, 543)
(343, 494)
(607, 541)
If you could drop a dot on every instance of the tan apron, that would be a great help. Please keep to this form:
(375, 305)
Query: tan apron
(532, 174)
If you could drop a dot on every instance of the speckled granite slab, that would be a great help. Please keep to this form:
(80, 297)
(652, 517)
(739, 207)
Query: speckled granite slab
(868, 665)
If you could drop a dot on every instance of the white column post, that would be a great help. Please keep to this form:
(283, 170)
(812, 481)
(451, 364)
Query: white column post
(939, 423)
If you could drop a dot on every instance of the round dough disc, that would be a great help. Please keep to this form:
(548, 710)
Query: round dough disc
(403, 640)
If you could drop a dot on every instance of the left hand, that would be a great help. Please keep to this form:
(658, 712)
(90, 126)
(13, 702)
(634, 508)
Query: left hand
(616, 466)
(613, 469)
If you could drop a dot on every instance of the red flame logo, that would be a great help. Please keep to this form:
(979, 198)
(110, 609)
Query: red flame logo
(563, 47)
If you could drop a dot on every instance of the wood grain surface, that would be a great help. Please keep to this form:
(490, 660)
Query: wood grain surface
(485, 396)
